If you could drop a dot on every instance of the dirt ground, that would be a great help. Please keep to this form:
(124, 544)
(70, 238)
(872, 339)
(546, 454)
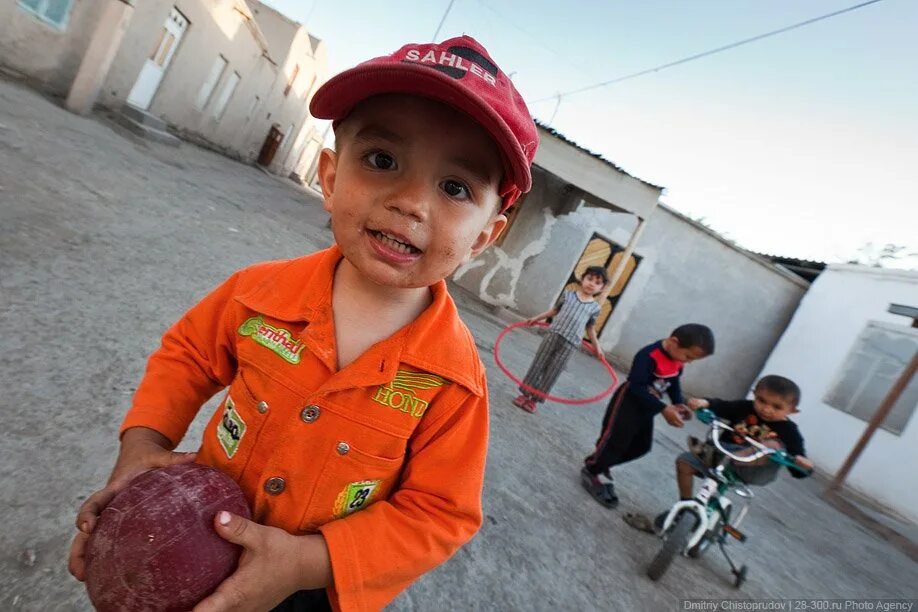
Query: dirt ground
(104, 241)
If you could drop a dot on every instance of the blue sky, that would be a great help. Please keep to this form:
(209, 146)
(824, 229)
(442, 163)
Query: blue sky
(804, 144)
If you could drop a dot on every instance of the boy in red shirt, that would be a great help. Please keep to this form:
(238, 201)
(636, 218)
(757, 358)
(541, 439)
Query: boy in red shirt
(627, 427)
(356, 418)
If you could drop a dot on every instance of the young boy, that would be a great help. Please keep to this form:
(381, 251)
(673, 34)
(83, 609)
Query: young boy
(356, 419)
(627, 427)
(574, 312)
(763, 418)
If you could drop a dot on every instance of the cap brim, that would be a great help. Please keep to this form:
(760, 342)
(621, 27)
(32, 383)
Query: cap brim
(340, 94)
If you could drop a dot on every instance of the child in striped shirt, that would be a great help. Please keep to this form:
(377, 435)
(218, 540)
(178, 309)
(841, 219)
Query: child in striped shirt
(574, 312)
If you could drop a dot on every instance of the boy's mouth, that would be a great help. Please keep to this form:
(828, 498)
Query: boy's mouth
(396, 243)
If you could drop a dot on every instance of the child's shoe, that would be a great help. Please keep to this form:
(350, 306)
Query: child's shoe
(526, 403)
(602, 492)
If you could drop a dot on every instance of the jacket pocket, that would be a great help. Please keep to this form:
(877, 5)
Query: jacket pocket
(351, 480)
(233, 429)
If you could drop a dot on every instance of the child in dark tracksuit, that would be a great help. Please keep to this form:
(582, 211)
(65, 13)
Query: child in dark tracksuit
(627, 427)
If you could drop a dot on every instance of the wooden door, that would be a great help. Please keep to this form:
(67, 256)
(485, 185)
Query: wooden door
(600, 251)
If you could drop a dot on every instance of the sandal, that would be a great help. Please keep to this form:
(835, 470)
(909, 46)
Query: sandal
(602, 493)
(639, 522)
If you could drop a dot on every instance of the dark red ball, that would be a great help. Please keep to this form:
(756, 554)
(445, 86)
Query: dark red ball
(154, 546)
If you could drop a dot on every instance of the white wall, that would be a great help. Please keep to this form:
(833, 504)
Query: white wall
(47, 54)
(831, 315)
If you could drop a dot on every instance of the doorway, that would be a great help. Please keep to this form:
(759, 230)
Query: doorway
(154, 67)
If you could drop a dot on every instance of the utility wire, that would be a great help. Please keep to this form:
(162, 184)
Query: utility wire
(445, 13)
(704, 54)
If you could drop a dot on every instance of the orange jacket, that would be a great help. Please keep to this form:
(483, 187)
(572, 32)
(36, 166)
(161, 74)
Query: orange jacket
(385, 457)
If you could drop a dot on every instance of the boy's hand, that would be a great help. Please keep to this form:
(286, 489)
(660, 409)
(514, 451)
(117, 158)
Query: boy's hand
(696, 403)
(685, 413)
(274, 565)
(142, 449)
(671, 414)
(803, 462)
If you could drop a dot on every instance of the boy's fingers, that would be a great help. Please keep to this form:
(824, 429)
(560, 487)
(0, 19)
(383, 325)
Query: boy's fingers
(91, 509)
(179, 458)
(76, 562)
(236, 529)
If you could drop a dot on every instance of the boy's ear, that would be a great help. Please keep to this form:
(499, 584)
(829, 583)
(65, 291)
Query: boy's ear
(487, 236)
(328, 172)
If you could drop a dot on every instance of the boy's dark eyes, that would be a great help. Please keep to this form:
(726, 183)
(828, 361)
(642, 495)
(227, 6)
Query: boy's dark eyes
(380, 160)
(455, 189)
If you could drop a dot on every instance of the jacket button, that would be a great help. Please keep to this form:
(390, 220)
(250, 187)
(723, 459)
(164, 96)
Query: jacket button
(275, 486)
(262, 407)
(310, 413)
(343, 448)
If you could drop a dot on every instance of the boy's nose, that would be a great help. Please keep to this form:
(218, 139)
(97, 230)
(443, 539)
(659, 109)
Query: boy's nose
(410, 199)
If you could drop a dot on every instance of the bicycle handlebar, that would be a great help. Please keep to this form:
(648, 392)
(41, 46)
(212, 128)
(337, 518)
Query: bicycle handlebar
(718, 426)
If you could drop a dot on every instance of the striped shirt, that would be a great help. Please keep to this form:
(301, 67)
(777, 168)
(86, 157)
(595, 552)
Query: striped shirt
(573, 316)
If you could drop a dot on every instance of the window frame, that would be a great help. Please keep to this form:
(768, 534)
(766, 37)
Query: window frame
(41, 13)
(200, 104)
(835, 397)
(230, 84)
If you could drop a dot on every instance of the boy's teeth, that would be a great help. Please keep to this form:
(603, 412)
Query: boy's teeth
(394, 244)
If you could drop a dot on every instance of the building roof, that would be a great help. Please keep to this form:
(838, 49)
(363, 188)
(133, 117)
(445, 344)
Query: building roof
(252, 25)
(803, 277)
(804, 268)
(905, 311)
(763, 260)
(909, 276)
(598, 156)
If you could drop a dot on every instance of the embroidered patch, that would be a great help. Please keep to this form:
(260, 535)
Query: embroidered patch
(400, 393)
(277, 339)
(231, 428)
(355, 496)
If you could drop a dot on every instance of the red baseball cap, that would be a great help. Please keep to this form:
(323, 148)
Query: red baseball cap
(458, 72)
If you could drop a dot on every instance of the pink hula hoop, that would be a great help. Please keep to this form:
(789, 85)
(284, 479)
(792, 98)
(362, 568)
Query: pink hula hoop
(548, 396)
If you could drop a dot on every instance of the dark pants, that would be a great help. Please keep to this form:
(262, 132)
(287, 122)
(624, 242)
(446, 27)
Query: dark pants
(305, 601)
(627, 433)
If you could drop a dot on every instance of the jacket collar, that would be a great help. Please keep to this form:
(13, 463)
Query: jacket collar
(438, 342)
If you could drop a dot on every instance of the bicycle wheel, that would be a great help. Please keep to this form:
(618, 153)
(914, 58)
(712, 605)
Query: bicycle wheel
(674, 544)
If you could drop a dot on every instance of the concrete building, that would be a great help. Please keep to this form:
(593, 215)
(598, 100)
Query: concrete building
(845, 349)
(231, 74)
(584, 211)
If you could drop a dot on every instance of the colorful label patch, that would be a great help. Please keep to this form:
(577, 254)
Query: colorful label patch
(400, 393)
(277, 339)
(355, 496)
(231, 428)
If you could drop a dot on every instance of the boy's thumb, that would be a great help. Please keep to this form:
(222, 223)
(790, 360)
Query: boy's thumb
(179, 458)
(234, 528)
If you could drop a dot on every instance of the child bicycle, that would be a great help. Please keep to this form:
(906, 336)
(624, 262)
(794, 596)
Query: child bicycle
(691, 526)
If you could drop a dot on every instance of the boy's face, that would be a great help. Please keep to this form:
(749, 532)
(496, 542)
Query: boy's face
(771, 406)
(412, 190)
(682, 353)
(591, 284)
